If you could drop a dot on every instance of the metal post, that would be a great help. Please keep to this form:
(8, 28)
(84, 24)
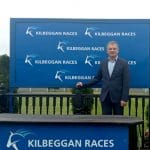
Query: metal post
(11, 90)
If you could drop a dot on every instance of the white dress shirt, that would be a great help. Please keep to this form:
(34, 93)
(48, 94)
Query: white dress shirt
(111, 65)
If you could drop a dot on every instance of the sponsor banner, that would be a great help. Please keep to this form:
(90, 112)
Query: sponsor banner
(54, 136)
(59, 53)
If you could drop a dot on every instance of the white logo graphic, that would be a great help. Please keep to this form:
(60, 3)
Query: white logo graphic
(89, 31)
(89, 60)
(29, 58)
(29, 31)
(19, 133)
(59, 75)
(61, 46)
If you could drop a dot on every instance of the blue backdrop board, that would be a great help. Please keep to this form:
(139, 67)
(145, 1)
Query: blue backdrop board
(75, 132)
(61, 52)
(62, 136)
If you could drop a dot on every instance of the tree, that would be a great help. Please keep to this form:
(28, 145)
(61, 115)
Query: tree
(4, 82)
(4, 70)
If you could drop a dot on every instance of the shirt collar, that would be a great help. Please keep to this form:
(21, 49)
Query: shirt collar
(114, 60)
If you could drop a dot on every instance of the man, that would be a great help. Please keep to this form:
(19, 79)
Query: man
(114, 75)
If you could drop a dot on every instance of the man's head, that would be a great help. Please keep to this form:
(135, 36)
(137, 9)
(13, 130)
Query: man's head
(112, 49)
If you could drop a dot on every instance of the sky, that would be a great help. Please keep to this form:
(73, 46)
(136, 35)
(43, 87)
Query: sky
(91, 9)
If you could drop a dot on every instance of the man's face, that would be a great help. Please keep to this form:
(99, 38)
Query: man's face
(112, 50)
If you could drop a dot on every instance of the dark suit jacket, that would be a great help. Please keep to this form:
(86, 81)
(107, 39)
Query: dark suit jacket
(117, 85)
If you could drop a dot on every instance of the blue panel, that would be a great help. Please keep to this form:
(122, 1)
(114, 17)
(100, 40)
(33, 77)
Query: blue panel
(63, 136)
(59, 53)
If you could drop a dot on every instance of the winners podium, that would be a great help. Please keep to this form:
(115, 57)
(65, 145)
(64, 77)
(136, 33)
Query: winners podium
(73, 132)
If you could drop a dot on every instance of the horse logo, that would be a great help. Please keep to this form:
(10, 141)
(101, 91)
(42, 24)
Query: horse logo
(29, 31)
(61, 46)
(90, 60)
(19, 134)
(29, 58)
(89, 31)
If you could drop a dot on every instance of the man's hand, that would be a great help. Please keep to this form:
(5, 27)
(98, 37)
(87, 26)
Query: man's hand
(123, 103)
(79, 84)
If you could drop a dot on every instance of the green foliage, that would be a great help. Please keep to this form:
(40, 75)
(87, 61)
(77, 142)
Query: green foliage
(82, 91)
(82, 104)
(148, 114)
(4, 82)
(4, 71)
